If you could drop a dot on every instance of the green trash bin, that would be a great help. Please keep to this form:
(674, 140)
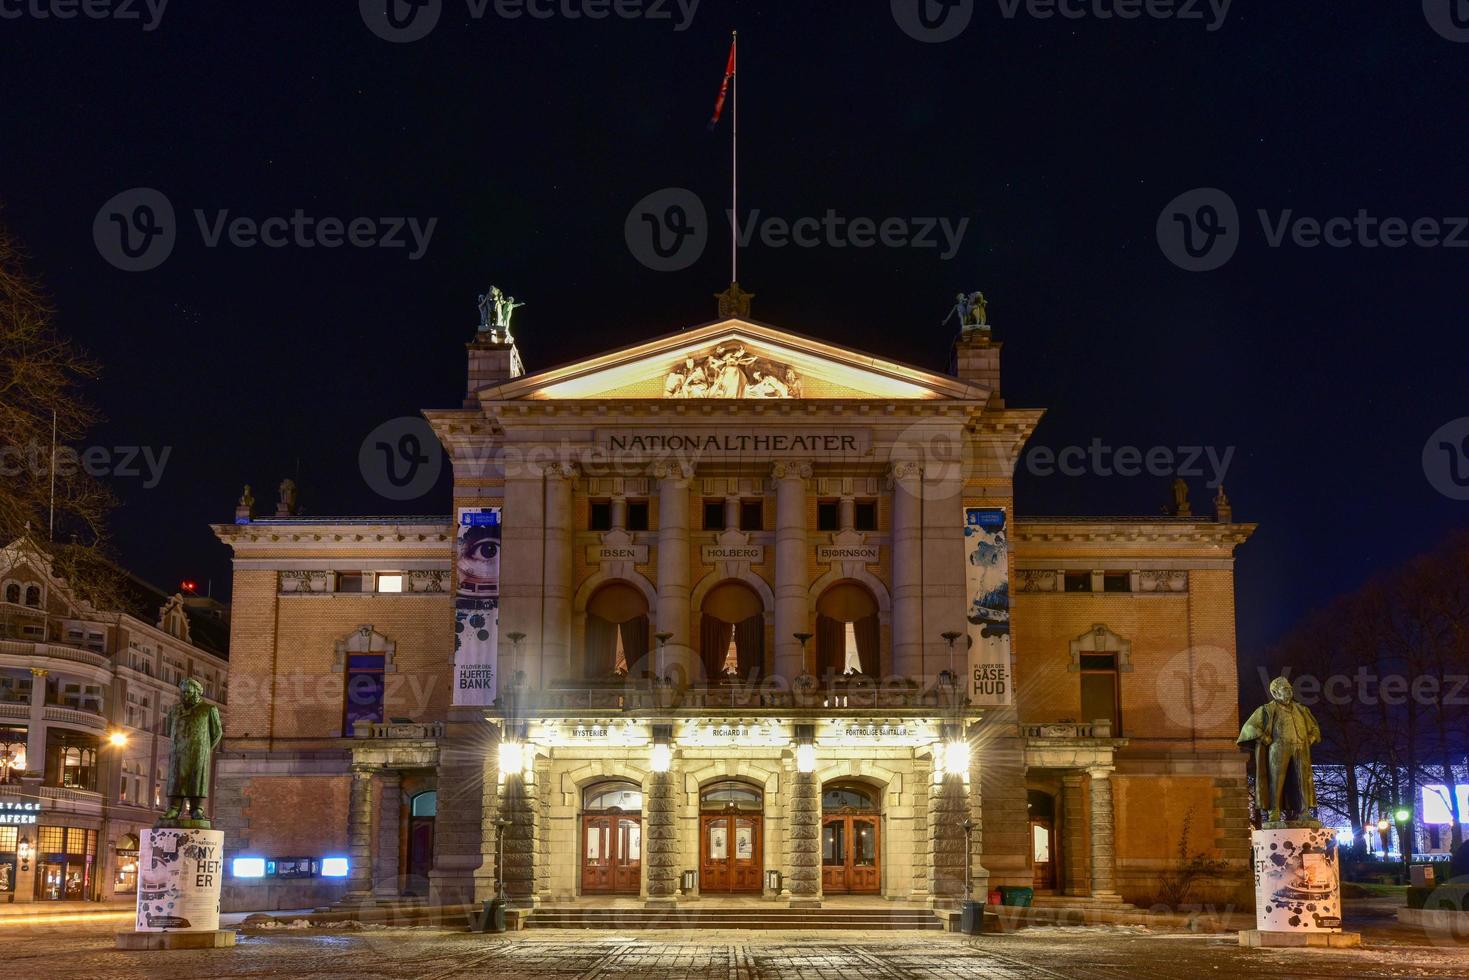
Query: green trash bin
(1016, 896)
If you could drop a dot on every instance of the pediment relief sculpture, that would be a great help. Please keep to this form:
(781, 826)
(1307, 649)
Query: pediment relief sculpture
(730, 371)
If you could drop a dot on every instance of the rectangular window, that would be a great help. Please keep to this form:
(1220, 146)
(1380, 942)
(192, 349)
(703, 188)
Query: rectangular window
(1117, 582)
(350, 581)
(1078, 581)
(828, 515)
(714, 515)
(1101, 697)
(752, 515)
(865, 515)
(364, 696)
(637, 515)
(599, 515)
(386, 582)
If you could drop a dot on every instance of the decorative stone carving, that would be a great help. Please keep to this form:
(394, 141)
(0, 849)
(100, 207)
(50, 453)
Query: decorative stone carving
(729, 371)
(1036, 579)
(972, 309)
(903, 470)
(791, 470)
(288, 505)
(430, 580)
(734, 302)
(297, 582)
(680, 473)
(1162, 581)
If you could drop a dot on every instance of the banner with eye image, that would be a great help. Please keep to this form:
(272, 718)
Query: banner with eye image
(477, 606)
(987, 586)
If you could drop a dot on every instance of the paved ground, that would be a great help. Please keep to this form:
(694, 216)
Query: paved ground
(83, 950)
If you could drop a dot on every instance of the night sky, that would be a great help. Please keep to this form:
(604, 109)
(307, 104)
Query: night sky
(529, 140)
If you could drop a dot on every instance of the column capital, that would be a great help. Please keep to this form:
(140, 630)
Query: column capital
(39, 672)
(675, 472)
(568, 471)
(791, 469)
(902, 470)
(1100, 772)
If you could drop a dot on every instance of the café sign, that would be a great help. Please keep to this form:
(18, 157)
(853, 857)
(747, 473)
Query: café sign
(12, 813)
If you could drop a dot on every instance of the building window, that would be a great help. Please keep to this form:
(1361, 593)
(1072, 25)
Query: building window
(1101, 692)
(9, 837)
(828, 515)
(1117, 582)
(12, 754)
(350, 581)
(12, 593)
(365, 684)
(599, 515)
(65, 857)
(387, 582)
(865, 515)
(714, 515)
(731, 632)
(1078, 581)
(33, 596)
(125, 882)
(617, 637)
(752, 515)
(637, 515)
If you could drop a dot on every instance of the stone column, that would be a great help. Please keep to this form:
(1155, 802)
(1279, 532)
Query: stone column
(948, 808)
(36, 732)
(673, 566)
(389, 821)
(359, 836)
(791, 575)
(519, 811)
(619, 512)
(555, 646)
(660, 840)
(905, 483)
(847, 513)
(464, 868)
(522, 565)
(805, 871)
(1104, 855)
(1073, 879)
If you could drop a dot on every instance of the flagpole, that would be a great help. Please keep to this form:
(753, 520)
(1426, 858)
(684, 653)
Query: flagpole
(734, 190)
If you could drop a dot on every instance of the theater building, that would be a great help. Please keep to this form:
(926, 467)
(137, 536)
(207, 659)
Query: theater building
(733, 611)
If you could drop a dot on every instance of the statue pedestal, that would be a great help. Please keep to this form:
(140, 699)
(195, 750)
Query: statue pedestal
(180, 875)
(1297, 889)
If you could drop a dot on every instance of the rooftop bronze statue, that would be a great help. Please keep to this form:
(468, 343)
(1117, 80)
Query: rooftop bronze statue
(193, 725)
(1283, 732)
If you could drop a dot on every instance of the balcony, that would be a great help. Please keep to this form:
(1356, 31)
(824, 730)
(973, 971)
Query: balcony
(846, 693)
(76, 717)
(55, 651)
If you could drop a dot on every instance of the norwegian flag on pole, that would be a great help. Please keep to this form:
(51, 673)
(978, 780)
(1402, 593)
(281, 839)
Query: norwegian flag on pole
(729, 73)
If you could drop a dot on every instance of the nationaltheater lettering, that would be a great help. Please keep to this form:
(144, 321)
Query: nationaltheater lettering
(734, 442)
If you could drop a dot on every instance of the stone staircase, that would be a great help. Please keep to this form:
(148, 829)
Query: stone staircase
(692, 916)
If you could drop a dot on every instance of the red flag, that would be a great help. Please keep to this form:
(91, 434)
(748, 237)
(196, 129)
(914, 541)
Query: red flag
(729, 73)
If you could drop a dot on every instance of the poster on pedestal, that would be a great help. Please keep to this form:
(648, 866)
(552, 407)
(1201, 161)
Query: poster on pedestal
(1297, 880)
(180, 874)
(987, 587)
(477, 606)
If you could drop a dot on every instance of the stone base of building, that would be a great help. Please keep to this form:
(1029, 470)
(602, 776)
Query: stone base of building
(218, 939)
(798, 902)
(1323, 940)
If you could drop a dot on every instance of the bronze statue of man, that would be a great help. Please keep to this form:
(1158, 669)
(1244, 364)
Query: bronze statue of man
(193, 725)
(1283, 732)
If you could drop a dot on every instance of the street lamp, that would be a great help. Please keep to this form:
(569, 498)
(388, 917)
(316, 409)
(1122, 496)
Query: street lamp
(23, 851)
(1404, 817)
(805, 748)
(661, 759)
(117, 739)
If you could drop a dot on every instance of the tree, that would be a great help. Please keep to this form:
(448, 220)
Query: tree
(52, 508)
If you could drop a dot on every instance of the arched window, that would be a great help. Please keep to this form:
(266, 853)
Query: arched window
(623, 796)
(12, 593)
(731, 794)
(847, 631)
(849, 796)
(731, 632)
(617, 631)
(425, 804)
(33, 596)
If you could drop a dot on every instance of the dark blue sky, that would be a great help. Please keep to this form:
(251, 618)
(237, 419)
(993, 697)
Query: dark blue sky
(530, 139)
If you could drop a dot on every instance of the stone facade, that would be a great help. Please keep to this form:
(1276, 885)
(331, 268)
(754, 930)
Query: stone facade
(736, 618)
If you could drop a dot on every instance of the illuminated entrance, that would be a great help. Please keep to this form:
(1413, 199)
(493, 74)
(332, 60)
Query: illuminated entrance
(731, 822)
(612, 839)
(850, 829)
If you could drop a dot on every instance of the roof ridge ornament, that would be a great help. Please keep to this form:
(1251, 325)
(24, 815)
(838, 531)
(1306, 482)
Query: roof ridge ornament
(734, 302)
(495, 312)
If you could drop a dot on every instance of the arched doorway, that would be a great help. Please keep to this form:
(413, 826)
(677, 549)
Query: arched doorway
(423, 812)
(125, 874)
(617, 637)
(731, 845)
(1043, 862)
(848, 631)
(612, 838)
(851, 826)
(731, 632)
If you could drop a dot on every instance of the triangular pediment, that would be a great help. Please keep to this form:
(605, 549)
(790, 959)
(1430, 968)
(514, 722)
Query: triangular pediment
(735, 359)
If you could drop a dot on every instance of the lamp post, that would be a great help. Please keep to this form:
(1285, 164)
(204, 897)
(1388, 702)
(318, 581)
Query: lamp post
(662, 639)
(23, 851)
(1404, 817)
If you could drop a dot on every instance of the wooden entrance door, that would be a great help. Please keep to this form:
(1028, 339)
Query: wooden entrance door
(730, 849)
(612, 854)
(1043, 853)
(849, 855)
